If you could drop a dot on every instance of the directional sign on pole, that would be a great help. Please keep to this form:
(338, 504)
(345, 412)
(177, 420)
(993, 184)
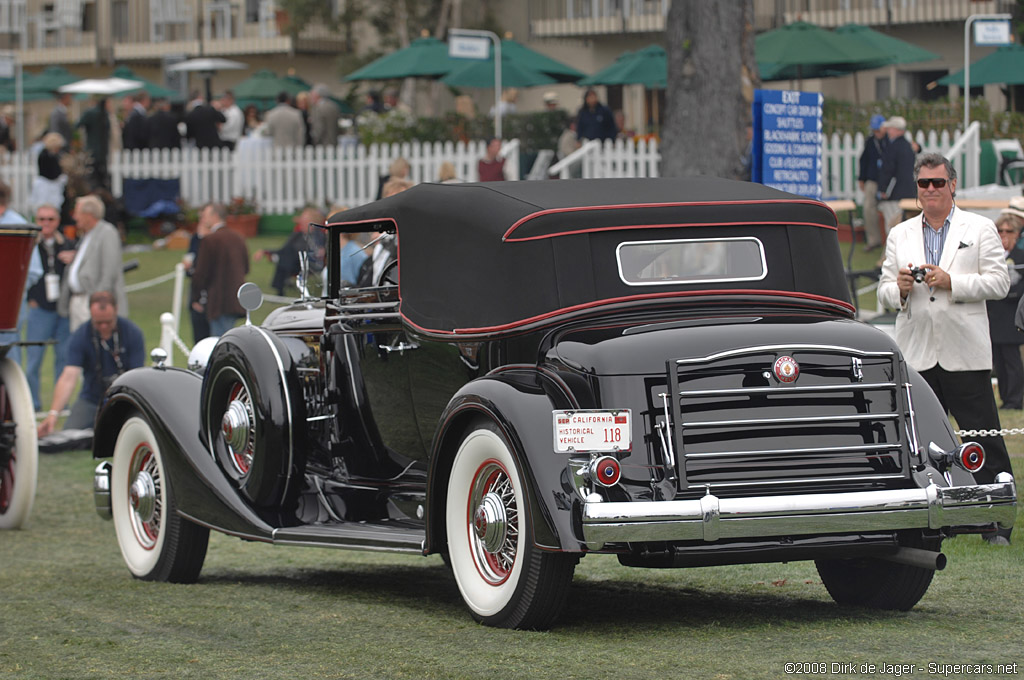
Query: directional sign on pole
(469, 43)
(469, 47)
(992, 32)
(787, 141)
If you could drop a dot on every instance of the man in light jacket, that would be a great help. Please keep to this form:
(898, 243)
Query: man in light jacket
(284, 124)
(94, 266)
(942, 325)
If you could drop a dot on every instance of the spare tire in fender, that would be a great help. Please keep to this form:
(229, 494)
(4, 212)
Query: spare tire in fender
(253, 414)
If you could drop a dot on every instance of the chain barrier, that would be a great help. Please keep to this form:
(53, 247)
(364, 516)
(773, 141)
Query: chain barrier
(990, 433)
(180, 344)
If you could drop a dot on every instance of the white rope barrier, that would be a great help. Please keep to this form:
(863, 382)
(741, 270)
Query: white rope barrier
(142, 285)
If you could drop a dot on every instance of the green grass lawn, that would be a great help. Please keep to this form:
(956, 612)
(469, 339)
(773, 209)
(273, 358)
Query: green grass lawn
(70, 609)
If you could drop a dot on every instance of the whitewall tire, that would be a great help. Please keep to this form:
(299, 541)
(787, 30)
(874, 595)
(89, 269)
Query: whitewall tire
(18, 476)
(156, 544)
(503, 578)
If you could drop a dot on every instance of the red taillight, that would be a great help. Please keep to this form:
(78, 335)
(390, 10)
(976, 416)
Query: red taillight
(605, 471)
(971, 457)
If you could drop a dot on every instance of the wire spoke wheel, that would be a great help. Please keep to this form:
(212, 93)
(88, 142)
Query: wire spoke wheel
(239, 428)
(156, 543)
(493, 523)
(504, 580)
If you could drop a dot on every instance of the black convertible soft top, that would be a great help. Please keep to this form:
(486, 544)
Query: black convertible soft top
(487, 257)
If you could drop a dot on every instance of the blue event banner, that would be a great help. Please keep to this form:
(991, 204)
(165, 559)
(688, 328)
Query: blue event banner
(786, 148)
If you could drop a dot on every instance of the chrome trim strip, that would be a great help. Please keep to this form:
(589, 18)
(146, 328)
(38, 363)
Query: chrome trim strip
(287, 401)
(795, 452)
(913, 425)
(740, 391)
(810, 420)
(692, 280)
(711, 518)
(795, 480)
(829, 349)
(666, 434)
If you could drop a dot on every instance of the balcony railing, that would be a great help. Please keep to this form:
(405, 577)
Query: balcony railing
(549, 18)
(85, 31)
(588, 17)
(831, 13)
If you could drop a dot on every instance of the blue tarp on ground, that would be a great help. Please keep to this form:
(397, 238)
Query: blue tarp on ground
(151, 197)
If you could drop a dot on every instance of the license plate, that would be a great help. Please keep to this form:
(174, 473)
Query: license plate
(592, 431)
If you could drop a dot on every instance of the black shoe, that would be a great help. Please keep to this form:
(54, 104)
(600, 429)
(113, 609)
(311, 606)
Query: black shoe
(1010, 407)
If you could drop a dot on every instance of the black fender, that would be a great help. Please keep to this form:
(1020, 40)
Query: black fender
(262, 362)
(168, 399)
(933, 426)
(519, 400)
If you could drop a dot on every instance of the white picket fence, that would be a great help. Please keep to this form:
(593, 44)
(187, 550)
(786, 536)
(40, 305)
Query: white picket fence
(840, 159)
(283, 180)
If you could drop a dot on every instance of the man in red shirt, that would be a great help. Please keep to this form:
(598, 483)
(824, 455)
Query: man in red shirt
(491, 168)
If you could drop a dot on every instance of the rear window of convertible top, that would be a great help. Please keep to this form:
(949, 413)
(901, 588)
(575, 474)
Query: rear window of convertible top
(708, 260)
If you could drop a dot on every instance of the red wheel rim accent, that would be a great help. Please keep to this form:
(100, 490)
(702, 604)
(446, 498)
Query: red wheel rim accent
(243, 459)
(7, 474)
(494, 568)
(146, 531)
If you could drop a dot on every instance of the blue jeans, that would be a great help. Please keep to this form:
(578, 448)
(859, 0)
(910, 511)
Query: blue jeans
(44, 325)
(11, 337)
(222, 324)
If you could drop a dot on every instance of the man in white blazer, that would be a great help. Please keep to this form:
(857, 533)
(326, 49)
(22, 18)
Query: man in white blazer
(942, 325)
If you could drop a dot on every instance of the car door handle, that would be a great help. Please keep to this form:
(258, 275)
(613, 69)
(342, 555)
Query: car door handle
(400, 347)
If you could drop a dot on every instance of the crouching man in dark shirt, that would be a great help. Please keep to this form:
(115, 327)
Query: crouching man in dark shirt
(97, 352)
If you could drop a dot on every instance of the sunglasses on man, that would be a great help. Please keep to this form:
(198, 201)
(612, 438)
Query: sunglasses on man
(937, 182)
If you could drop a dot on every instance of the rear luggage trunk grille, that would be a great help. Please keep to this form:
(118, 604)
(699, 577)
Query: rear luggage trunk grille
(837, 426)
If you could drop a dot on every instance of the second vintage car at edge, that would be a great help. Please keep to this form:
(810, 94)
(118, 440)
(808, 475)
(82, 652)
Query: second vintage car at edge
(668, 370)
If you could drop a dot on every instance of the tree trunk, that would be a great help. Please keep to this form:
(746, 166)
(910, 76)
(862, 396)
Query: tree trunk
(711, 78)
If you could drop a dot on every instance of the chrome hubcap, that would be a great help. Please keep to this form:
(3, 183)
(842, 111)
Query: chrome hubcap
(490, 523)
(142, 496)
(235, 426)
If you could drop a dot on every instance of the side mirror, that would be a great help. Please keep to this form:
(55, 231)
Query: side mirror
(250, 297)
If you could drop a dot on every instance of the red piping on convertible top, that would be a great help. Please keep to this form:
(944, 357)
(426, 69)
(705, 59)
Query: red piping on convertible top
(553, 211)
(374, 221)
(650, 296)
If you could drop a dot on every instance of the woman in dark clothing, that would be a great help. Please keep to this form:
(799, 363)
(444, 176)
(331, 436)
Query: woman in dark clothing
(48, 187)
(49, 156)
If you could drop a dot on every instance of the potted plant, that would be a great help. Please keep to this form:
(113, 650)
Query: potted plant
(243, 216)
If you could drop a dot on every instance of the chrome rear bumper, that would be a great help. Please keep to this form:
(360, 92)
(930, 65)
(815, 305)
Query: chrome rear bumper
(711, 518)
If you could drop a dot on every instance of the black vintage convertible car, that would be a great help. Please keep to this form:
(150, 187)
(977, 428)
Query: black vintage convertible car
(666, 370)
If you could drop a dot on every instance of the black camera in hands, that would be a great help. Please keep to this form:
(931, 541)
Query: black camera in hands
(918, 273)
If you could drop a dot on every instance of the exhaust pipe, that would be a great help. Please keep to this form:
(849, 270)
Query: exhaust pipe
(916, 557)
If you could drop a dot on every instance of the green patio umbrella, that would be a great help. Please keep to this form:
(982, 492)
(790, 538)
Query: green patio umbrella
(47, 82)
(480, 73)
(647, 67)
(7, 93)
(897, 51)
(265, 84)
(425, 58)
(1004, 66)
(261, 89)
(155, 91)
(802, 50)
(536, 61)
